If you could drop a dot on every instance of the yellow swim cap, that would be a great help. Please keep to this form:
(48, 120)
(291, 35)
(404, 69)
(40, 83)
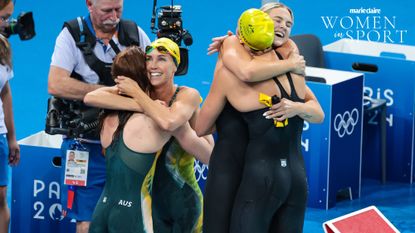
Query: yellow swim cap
(167, 46)
(256, 29)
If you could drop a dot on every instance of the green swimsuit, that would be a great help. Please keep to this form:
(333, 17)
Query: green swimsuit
(177, 198)
(175, 204)
(124, 203)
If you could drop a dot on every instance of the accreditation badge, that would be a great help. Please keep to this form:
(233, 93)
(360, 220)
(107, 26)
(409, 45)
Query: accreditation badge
(76, 169)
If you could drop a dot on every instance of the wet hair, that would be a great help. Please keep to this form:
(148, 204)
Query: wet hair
(4, 3)
(272, 5)
(5, 52)
(131, 63)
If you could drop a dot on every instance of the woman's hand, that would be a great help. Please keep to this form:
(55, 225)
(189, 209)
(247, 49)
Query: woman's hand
(127, 86)
(161, 102)
(14, 152)
(217, 43)
(283, 110)
(298, 62)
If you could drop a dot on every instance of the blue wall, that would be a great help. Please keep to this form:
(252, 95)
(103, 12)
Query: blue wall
(204, 19)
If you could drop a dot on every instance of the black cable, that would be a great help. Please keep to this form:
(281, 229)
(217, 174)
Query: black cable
(153, 18)
(172, 8)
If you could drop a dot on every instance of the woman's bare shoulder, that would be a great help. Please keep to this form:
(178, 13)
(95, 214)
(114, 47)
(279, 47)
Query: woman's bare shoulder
(188, 93)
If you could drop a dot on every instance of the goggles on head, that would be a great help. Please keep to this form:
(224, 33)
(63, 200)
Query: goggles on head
(160, 49)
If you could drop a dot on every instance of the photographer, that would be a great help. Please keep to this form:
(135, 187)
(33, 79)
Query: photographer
(81, 63)
(9, 149)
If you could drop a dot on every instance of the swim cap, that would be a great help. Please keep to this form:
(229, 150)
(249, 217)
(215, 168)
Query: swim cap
(256, 29)
(171, 47)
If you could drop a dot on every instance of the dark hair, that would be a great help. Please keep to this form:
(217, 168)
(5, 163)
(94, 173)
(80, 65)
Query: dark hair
(5, 52)
(131, 63)
(4, 3)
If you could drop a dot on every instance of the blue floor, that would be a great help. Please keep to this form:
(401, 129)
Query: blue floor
(395, 200)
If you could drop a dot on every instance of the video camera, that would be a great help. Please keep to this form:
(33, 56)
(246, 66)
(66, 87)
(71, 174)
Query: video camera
(170, 25)
(24, 26)
(71, 118)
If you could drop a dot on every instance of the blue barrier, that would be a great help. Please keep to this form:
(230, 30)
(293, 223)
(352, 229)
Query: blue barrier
(389, 77)
(36, 189)
(36, 204)
(332, 150)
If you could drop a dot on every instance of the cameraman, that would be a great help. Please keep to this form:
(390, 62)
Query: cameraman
(9, 149)
(105, 34)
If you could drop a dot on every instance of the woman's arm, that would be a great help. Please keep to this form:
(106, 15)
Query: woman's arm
(169, 119)
(214, 47)
(211, 108)
(249, 68)
(108, 98)
(200, 147)
(310, 110)
(14, 149)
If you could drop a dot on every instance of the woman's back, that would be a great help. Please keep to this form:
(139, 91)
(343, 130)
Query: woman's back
(273, 156)
(244, 96)
(225, 170)
(141, 133)
(130, 162)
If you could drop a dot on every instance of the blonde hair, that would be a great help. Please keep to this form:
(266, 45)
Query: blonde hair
(272, 5)
(5, 52)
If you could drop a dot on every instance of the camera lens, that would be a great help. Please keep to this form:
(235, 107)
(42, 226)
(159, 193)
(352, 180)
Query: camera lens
(187, 38)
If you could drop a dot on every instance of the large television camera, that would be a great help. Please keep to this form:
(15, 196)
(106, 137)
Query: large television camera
(24, 26)
(170, 25)
(71, 118)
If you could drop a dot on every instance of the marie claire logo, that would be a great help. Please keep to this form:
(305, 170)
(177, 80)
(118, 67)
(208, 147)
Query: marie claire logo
(362, 10)
(345, 123)
(200, 170)
(365, 24)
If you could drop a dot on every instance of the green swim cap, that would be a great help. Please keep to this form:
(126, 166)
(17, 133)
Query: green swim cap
(256, 29)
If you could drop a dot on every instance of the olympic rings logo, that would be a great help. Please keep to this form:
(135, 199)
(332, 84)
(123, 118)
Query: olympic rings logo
(200, 170)
(344, 124)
